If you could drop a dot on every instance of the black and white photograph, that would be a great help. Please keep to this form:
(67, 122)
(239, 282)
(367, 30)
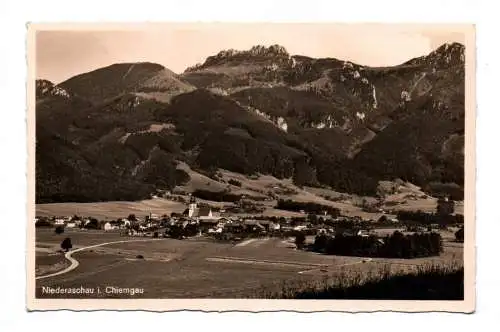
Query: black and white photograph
(250, 162)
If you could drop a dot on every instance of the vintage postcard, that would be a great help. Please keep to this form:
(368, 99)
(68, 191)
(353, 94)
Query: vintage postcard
(253, 167)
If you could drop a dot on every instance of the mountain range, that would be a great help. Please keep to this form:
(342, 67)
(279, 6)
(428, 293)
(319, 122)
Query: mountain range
(120, 132)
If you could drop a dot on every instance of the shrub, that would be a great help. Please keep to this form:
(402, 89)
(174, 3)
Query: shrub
(235, 182)
(139, 257)
(300, 239)
(42, 223)
(66, 244)
(320, 243)
(59, 230)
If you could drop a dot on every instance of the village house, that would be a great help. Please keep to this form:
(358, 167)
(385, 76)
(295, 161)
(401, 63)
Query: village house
(208, 224)
(59, 221)
(234, 227)
(125, 223)
(108, 226)
(270, 225)
(254, 225)
(71, 224)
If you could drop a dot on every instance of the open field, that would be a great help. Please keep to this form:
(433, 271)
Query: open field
(198, 267)
(110, 210)
(47, 263)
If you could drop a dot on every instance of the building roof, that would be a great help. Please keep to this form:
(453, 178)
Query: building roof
(208, 221)
(251, 222)
(234, 224)
(265, 222)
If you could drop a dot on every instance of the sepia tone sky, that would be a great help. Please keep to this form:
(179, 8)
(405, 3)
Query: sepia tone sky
(62, 52)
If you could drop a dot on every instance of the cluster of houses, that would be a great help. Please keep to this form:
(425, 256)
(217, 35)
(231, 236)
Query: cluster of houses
(204, 220)
(209, 221)
(82, 222)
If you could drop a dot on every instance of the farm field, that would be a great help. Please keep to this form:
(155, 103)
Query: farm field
(110, 210)
(197, 267)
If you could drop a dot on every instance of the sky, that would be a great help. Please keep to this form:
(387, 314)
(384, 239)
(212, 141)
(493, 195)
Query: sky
(65, 51)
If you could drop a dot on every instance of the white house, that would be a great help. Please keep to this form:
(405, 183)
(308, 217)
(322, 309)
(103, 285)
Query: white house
(108, 226)
(59, 222)
(274, 226)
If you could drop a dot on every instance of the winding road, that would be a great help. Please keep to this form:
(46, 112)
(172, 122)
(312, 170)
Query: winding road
(74, 263)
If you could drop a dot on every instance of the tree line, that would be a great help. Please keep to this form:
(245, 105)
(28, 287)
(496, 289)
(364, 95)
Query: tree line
(396, 245)
(426, 218)
(308, 207)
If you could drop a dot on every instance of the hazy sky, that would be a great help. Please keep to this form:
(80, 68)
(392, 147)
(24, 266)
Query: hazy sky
(68, 51)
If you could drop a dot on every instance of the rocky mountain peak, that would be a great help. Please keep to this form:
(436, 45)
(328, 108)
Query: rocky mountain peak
(45, 88)
(271, 52)
(447, 55)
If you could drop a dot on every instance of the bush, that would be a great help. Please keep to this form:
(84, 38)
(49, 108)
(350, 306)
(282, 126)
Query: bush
(235, 182)
(139, 257)
(42, 223)
(300, 239)
(66, 244)
(59, 230)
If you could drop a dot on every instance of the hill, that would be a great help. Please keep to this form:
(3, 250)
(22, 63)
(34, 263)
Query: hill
(145, 79)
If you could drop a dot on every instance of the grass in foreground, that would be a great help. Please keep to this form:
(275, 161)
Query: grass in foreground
(431, 282)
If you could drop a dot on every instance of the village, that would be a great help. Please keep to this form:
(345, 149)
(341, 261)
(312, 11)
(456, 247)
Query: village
(202, 220)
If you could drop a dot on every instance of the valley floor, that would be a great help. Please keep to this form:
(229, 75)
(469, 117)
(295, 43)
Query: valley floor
(196, 267)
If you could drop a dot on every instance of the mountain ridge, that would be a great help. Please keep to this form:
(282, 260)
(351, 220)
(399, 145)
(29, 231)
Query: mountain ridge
(318, 121)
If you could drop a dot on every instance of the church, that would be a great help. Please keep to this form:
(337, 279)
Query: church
(199, 212)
